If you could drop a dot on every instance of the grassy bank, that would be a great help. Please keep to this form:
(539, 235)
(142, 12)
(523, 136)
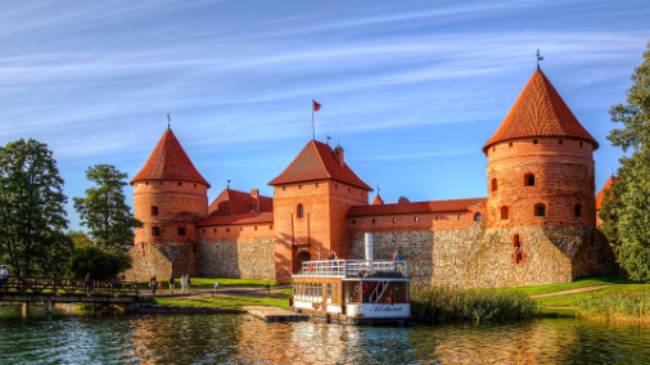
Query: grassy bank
(443, 305)
(226, 302)
(208, 283)
(627, 306)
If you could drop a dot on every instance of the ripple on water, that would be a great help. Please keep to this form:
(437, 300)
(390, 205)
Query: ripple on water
(235, 339)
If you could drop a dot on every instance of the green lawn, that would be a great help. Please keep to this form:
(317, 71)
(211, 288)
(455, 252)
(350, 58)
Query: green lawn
(580, 283)
(223, 302)
(566, 305)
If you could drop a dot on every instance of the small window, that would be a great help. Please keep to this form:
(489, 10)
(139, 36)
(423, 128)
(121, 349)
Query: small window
(284, 188)
(540, 210)
(495, 184)
(516, 241)
(458, 216)
(354, 221)
(300, 211)
(560, 141)
(256, 228)
(535, 141)
(227, 229)
(580, 143)
(181, 231)
(477, 217)
(374, 220)
(180, 183)
(394, 219)
(316, 185)
(155, 231)
(299, 187)
(214, 230)
(416, 219)
(504, 212)
(510, 144)
(194, 185)
(437, 217)
(349, 190)
(529, 179)
(577, 210)
(154, 210)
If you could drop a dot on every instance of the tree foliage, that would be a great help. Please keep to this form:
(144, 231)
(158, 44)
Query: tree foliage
(626, 212)
(104, 211)
(32, 213)
(100, 263)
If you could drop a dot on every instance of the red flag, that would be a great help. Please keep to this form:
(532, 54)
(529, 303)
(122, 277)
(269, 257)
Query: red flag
(315, 105)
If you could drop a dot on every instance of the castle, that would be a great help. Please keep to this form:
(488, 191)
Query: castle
(537, 224)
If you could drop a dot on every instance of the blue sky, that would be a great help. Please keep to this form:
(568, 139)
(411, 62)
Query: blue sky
(411, 89)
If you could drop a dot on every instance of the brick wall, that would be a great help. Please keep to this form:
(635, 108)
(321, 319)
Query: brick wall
(179, 205)
(563, 170)
(322, 227)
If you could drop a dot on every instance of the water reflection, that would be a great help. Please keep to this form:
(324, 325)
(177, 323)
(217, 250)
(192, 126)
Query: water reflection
(233, 339)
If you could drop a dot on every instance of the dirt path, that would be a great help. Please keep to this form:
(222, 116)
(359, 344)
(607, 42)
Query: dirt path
(570, 291)
(254, 292)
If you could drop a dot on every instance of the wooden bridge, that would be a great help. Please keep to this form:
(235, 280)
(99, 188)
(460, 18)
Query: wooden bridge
(54, 290)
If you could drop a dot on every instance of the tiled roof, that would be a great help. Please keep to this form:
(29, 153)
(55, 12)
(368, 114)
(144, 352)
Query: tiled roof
(317, 161)
(214, 220)
(435, 206)
(378, 200)
(601, 193)
(539, 112)
(168, 161)
(233, 202)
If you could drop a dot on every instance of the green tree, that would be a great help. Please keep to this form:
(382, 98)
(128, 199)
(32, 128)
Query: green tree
(626, 212)
(32, 214)
(104, 211)
(100, 263)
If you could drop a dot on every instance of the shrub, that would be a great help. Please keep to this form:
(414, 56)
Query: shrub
(102, 264)
(632, 306)
(442, 305)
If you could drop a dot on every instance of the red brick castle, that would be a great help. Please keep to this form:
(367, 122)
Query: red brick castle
(537, 225)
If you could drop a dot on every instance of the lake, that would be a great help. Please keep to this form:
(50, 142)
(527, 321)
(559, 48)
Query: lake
(240, 339)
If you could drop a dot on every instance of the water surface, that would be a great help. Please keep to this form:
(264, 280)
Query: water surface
(238, 339)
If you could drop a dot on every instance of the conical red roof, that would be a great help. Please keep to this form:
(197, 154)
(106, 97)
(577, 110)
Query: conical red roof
(317, 161)
(168, 161)
(539, 112)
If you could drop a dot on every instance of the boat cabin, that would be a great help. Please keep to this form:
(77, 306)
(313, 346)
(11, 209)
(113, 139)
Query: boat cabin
(352, 290)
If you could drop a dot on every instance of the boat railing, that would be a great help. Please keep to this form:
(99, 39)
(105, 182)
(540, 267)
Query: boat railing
(353, 268)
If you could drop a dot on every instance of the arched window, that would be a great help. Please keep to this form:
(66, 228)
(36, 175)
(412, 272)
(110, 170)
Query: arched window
(529, 179)
(155, 231)
(181, 231)
(540, 210)
(416, 219)
(494, 185)
(154, 210)
(504, 212)
(477, 217)
(300, 211)
(394, 219)
(577, 210)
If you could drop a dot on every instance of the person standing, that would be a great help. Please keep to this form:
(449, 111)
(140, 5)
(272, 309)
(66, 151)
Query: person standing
(172, 283)
(153, 285)
(4, 276)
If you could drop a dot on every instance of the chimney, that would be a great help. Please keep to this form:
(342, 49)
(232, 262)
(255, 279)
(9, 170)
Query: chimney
(340, 154)
(368, 246)
(255, 194)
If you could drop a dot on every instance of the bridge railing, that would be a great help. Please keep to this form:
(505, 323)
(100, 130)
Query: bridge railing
(62, 286)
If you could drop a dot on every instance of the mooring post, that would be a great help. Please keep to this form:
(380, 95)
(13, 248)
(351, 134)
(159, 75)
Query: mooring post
(24, 310)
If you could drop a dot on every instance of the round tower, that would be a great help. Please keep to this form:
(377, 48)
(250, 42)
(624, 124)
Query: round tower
(540, 164)
(169, 195)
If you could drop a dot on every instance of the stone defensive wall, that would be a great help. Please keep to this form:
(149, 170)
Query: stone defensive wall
(237, 251)
(480, 258)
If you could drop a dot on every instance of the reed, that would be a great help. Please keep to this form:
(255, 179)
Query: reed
(435, 305)
(629, 306)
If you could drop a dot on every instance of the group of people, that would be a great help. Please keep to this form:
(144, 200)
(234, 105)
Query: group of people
(185, 281)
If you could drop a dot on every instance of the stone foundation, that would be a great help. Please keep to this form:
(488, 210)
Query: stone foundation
(479, 258)
(161, 260)
(248, 259)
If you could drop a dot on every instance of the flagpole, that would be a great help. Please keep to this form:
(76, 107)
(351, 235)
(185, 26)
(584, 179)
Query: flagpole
(313, 124)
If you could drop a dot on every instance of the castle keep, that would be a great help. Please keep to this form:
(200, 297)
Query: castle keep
(537, 224)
